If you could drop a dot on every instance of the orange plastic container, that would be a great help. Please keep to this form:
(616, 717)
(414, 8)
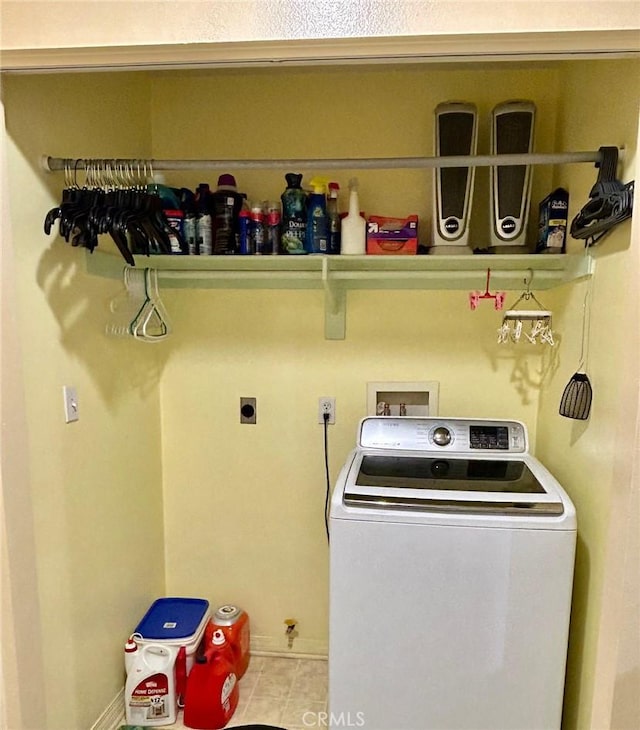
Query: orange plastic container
(234, 622)
(212, 691)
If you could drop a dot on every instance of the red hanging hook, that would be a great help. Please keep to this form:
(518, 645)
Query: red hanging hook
(476, 296)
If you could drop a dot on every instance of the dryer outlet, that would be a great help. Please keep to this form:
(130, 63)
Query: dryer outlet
(248, 410)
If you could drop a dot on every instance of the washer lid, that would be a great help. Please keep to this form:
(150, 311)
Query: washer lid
(452, 484)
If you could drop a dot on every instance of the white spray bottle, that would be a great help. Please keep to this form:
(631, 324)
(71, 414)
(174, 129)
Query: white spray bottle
(354, 227)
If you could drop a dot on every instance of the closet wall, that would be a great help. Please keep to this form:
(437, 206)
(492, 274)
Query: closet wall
(595, 459)
(96, 485)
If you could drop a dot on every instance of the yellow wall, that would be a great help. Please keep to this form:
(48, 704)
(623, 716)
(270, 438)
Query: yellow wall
(243, 504)
(594, 459)
(21, 703)
(95, 484)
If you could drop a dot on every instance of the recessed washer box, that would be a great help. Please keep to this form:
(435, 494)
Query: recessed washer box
(396, 398)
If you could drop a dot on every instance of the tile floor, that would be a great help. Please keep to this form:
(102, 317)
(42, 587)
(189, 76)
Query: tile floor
(282, 691)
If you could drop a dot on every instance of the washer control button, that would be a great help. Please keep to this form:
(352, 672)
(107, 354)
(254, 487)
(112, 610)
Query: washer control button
(441, 436)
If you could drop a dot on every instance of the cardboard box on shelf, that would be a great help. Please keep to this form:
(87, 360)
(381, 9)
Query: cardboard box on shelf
(552, 222)
(392, 236)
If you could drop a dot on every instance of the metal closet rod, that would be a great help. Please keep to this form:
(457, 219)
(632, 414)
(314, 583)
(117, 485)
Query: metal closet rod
(53, 164)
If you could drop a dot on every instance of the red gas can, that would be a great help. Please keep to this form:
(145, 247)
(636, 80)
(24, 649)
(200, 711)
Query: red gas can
(234, 622)
(212, 687)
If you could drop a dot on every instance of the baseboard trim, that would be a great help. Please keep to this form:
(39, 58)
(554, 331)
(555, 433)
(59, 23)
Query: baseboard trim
(113, 716)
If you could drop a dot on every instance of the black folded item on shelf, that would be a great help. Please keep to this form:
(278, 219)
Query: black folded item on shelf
(610, 202)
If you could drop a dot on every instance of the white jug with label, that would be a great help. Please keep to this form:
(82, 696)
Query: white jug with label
(150, 690)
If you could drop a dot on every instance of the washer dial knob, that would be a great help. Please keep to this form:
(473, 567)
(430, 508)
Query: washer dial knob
(441, 436)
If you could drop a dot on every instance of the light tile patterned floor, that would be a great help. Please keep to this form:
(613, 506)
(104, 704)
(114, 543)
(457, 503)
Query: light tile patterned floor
(286, 692)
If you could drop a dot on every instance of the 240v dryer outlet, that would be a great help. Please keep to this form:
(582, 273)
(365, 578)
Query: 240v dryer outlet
(326, 405)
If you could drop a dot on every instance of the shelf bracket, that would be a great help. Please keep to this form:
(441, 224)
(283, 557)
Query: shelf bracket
(335, 306)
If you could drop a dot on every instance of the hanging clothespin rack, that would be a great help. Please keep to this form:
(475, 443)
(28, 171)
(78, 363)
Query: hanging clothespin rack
(532, 324)
(476, 296)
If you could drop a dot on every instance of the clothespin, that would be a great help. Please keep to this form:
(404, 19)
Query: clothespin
(476, 296)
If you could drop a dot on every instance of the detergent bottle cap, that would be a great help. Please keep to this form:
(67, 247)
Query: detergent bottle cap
(131, 645)
(319, 185)
(227, 182)
(294, 179)
(218, 638)
(227, 612)
(333, 189)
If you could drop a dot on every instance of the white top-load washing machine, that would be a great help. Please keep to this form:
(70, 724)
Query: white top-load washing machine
(452, 552)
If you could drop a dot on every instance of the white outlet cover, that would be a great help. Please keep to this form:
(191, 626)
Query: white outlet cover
(71, 410)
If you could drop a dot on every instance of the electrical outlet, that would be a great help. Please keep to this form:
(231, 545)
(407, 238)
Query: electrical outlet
(326, 405)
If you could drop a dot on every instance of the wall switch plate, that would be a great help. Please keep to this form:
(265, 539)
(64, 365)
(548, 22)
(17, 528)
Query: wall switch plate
(248, 410)
(71, 411)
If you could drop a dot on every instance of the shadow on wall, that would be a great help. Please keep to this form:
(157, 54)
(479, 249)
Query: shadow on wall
(577, 429)
(532, 366)
(81, 306)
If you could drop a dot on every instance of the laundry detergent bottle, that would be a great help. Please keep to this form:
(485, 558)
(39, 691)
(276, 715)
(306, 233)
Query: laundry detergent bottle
(294, 216)
(212, 687)
(234, 623)
(354, 227)
(317, 238)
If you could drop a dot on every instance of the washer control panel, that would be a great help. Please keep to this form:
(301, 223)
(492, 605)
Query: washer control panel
(460, 435)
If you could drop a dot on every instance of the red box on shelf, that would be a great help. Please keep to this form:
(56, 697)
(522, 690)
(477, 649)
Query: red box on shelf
(392, 236)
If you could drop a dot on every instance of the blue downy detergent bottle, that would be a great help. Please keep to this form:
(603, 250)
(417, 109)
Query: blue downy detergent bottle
(317, 240)
(294, 216)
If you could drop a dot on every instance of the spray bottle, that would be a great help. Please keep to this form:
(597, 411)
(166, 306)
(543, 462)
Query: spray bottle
(354, 226)
(317, 239)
